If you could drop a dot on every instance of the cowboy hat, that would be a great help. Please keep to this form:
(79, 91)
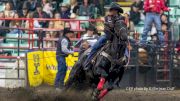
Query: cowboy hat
(64, 5)
(116, 6)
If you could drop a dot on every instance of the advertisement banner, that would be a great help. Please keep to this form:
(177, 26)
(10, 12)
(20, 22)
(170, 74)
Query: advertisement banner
(50, 67)
(35, 68)
(47, 67)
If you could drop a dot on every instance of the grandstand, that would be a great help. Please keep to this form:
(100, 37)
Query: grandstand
(16, 41)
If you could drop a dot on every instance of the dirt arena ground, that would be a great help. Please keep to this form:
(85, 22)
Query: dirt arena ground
(49, 94)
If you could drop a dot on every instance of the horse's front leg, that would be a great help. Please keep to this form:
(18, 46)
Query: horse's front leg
(100, 91)
(101, 83)
(103, 93)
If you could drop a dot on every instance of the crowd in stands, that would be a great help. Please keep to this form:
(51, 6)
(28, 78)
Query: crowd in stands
(66, 9)
(136, 15)
(56, 9)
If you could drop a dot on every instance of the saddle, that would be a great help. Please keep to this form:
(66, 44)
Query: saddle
(120, 61)
(99, 52)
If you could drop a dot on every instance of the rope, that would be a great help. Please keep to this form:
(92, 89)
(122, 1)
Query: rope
(129, 56)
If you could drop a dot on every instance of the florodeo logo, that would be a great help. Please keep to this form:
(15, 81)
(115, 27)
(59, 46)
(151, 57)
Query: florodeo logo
(36, 63)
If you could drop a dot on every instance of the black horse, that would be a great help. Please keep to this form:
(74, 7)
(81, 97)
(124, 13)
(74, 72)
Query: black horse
(108, 63)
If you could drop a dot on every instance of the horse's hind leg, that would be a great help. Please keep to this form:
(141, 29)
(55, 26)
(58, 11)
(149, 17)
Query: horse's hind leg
(75, 76)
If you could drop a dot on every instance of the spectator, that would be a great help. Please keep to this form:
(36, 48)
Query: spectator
(41, 14)
(91, 36)
(67, 25)
(164, 19)
(48, 43)
(126, 16)
(100, 6)
(50, 34)
(74, 7)
(88, 39)
(26, 24)
(165, 24)
(58, 24)
(100, 24)
(138, 4)
(86, 9)
(30, 4)
(17, 4)
(63, 49)
(164, 28)
(74, 24)
(15, 24)
(40, 24)
(2, 23)
(64, 11)
(154, 37)
(134, 16)
(55, 4)
(9, 12)
(47, 7)
(24, 12)
(178, 46)
(153, 10)
(43, 2)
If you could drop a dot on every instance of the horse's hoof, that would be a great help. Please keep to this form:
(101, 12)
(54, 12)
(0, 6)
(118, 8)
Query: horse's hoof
(95, 94)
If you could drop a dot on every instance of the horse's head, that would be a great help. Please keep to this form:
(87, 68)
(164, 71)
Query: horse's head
(120, 37)
(120, 30)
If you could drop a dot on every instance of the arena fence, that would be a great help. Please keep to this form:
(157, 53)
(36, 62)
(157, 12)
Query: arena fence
(154, 60)
(34, 39)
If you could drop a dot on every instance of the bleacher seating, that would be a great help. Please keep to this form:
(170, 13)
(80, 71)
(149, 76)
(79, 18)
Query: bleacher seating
(9, 36)
(2, 6)
(178, 12)
(174, 2)
(8, 45)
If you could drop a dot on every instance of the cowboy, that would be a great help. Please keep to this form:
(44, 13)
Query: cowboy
(113, 16)
(153, 9)
(63, 49)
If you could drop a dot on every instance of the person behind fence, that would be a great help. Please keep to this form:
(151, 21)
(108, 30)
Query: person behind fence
(113, 16)
(64, 11)
(153, 9)
(88, 40)
(63, 49)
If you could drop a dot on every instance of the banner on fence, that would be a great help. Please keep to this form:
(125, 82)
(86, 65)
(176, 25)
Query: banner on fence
(42, 67)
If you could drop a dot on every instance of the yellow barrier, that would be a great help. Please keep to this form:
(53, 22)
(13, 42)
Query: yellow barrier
(42, 67)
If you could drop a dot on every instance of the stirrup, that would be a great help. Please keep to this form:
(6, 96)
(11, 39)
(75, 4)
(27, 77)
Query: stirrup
(87, 66)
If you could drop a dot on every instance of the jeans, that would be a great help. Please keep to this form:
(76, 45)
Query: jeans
(101, 41)
(62, 68)
(150, 18)
(15, 31)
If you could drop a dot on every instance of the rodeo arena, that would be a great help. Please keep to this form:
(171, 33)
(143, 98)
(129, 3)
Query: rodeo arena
(89, 50)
